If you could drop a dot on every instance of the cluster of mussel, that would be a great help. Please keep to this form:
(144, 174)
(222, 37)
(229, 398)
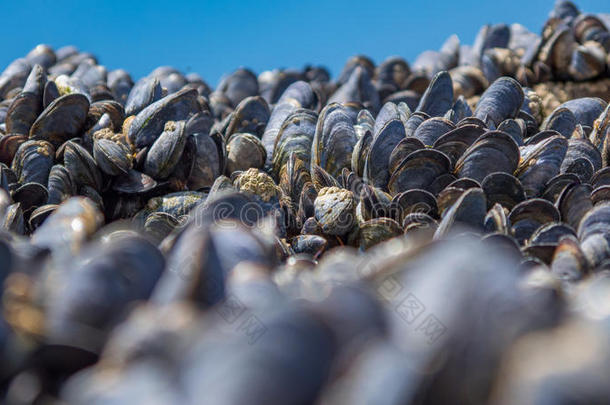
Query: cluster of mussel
(403, 235)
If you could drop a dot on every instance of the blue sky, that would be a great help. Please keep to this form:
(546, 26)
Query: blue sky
(215, 37)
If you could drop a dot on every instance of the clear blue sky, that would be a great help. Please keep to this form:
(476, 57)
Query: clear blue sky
(215, 37)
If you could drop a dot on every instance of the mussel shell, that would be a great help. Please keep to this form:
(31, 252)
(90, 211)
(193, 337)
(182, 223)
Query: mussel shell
(601, 128)
(588, 61)
(596, 249)
(417, 82)
(200, 122)
(7, 178)
(582, 167)
(447, 197)
(70, 225)
(251, 116)
(574, 202)
(42, 55)
(472, 121)
(529, 215)
(293, 177)
(421, 224)
(446, 58)
(376, 168)
(229, 205)
(149, 122)
(366, 120)
(15, 75)
(468, 211)
(378, 230)
(40, 214)
(30, 196)
(514, 128)
(551, 232)
(172, 82)
(414, 121)
(33, 161)
(494, 151)
(243, 152)
(63, 119)
(122, 206)
(418, 170)
(541, 254)
(468, 81)
(464, 183)
(440, 183)
(13, 219)
(579, 149)
(306, 201)
(432, 129)
(130, 261)
(491, 36)
(374, 203)
(22, 113)
(320, 178)
(178, 179)
(502, 100)
(541, 164)
(350, 181)
(393, 71)
(110, 107)
(146, 91)
(600, 194)
(495, 220)
(60, 185)
(159, 224)
(312, 245)
(238, 85)
(595, 221)
(561, 120)
(504, 242)
(358, 88)
(601, 178)
(177, 204)
(504, 189)
(459, 110)
(50, 94)
(569, 261)
(413, 201)
(113, 158)
(273, 83)
(334, 139)
(388, 112)
(294, 136)
(554, 52)
(438, 97)
(555, 186)
(120, 84)
(165, 152)
(403, 149)
(8, 147)
(584, 24)
(298, 95)
(208, 162)
(81, 166)
(361, 152)
(585, 110)
(455, 142)
(92, 194)
(563, 10)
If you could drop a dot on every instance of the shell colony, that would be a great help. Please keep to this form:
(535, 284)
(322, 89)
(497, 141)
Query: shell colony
(427, 233)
